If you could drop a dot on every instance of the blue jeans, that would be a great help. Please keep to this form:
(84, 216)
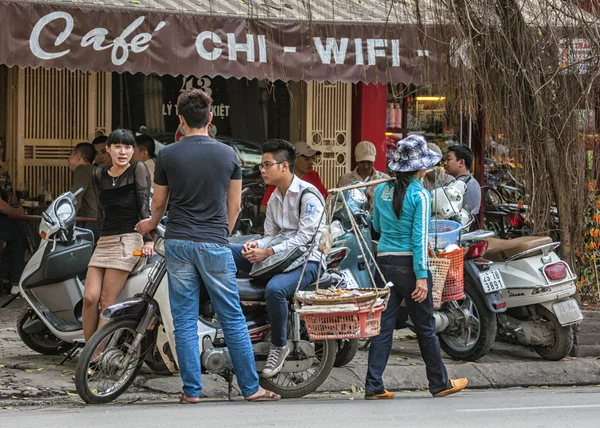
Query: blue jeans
(399, 270)
(190, 264)
(277, 292)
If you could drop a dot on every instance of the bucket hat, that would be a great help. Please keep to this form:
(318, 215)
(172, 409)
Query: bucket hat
(412, 154)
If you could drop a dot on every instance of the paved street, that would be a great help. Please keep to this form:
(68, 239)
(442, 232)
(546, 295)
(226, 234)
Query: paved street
(574, 407)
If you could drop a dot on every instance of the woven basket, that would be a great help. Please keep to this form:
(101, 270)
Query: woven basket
(439, 270)
(345, 325)
(368, 295)
(454, 287)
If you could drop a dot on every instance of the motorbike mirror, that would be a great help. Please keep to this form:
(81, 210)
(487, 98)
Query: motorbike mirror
(78, 192)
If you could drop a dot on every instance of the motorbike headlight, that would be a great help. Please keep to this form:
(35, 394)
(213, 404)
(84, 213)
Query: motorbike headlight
(159, 247)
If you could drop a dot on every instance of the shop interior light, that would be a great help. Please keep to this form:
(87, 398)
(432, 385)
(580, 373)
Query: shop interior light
(423, 98)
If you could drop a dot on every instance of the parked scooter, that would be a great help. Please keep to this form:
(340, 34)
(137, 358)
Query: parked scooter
(123, 343)
(51, 324)
(538, 288)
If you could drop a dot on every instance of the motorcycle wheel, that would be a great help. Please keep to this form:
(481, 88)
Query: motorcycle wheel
(105, 379)
(478, 336)
(296, 385)
(43, 342)
(346, 351)
(563, 339)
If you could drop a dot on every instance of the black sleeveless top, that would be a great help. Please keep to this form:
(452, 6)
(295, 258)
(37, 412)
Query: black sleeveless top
(122, 200)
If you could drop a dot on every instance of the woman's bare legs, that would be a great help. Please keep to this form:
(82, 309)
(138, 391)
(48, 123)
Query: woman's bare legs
(112, 284)
(91, 299)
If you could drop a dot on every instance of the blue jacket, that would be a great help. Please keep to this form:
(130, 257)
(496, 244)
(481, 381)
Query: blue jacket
(409, 233)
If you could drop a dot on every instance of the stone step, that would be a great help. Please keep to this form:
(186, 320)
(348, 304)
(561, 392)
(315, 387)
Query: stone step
(588, 326)
(591, 315)
(592, 339)
(583, 351)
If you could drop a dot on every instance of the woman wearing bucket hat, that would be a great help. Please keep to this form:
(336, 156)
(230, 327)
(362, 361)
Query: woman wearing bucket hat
(401, 214)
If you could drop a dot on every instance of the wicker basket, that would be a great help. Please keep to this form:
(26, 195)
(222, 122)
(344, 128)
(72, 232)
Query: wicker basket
(440, 267)
(344, 325)
(454, 287)
(367, 295)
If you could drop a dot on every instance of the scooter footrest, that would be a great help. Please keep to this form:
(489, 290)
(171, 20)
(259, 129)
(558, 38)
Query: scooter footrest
(61, 324)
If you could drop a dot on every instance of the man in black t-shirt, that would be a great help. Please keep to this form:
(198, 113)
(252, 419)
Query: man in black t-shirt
(202, 181)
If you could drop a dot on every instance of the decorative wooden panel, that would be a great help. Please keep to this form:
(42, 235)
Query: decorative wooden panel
(328, 127)
(56, 110)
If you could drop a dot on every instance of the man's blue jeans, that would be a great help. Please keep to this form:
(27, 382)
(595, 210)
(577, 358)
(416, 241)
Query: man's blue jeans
(190, 264)
(399, 270)
(279, 288)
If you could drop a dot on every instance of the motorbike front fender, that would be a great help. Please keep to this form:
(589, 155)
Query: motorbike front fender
(133, 308)
(492, 300)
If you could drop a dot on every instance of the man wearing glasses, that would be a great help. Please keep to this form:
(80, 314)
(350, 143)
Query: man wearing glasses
(303, 169)
(294, 218)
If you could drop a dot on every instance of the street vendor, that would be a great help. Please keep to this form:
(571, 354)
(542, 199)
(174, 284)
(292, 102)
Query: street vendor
(364, 154)
(401, 214)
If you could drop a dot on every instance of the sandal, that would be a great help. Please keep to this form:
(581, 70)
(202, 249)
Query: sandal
(184, 399)
(267, 396)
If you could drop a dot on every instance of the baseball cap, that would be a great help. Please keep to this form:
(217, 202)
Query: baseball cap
(303, 149)
(365, 151)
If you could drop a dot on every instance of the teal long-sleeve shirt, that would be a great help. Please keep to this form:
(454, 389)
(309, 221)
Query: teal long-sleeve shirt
(409, 232)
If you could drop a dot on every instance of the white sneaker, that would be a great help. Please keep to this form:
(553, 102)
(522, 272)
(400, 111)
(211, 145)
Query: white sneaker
(14, 290)
(275, 361)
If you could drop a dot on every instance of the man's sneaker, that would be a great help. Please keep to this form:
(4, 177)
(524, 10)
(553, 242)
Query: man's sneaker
(14, 290)
(385, 395)
(275, 360)
(457, 386)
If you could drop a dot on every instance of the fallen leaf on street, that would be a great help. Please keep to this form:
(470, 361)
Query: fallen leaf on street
(70, 394)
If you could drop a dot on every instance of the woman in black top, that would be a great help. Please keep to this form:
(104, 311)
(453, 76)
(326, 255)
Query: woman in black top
(123, 193)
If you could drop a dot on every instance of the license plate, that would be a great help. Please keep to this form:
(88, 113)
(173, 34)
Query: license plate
(350, 280)
(567, 312)
(492, 281)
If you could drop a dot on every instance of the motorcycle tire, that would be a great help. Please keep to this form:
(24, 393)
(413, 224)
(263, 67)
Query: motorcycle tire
(563, 341)
(487, 329)
(347, 349)
(329, 350)
(82, 371)
(45, 342)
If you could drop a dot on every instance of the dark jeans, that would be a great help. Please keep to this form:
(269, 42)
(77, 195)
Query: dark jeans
(278, 290)
(399, 270)
(15, 249)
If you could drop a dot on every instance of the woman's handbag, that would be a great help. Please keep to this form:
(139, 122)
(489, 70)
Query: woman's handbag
(284, 261)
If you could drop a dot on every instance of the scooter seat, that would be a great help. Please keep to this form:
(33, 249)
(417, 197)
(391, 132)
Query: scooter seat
(500, 249)
(251, 290)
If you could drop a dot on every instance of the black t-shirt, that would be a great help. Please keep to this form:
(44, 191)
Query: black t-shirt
(198, 171)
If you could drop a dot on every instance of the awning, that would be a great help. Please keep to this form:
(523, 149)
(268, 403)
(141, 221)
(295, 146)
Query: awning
(325, 40)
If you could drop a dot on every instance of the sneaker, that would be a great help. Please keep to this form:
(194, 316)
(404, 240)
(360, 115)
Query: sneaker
(457, 386)
(385, 395)
(275, 360)
(14, 290)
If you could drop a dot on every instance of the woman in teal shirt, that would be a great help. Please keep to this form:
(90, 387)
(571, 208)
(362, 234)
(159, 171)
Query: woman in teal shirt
(401, 215)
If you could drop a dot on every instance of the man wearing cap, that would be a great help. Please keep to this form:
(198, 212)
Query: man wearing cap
(303, 169)
(364, 154)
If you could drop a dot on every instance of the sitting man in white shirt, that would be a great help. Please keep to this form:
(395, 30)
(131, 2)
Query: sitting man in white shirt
(294, 213)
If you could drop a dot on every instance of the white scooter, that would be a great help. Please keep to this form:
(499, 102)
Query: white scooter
(51, 324)
(537, 287)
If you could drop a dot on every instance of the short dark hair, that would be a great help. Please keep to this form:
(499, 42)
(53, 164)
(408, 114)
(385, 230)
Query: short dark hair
(282, 151)
(462, 153)
(86, 150)
(120, 136)
(99, 140)
(194, 105)
(144, 141)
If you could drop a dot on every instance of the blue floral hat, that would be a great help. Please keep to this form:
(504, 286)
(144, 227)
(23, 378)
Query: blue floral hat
(412, 154)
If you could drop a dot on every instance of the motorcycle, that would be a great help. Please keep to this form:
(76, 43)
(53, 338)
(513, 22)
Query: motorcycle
(538, 288)
(50, 283)
(114, 355)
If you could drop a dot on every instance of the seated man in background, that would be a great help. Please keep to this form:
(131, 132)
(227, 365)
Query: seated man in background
(80, 164)
(303, 169)
(102, 157)
(364, 154)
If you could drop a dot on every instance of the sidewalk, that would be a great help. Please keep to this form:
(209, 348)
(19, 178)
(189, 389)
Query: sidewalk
(27, 378)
